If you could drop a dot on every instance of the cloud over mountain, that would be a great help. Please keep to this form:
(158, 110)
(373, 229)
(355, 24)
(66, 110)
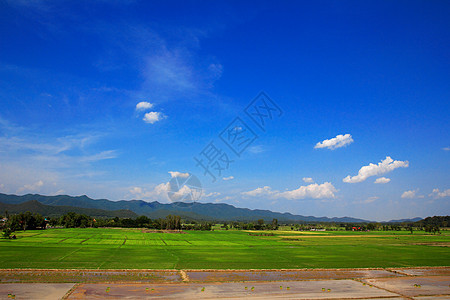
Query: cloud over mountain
(316, 191)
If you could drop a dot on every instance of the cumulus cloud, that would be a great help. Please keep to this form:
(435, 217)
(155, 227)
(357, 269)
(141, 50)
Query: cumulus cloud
(159, 192)
(382, 180)
(136, 190)
(315, 191)
(178, 174)
(143, 105)
(308, 179)
(31, 187)
(264, 191)
(153, 117)
(409, 194)
(181, 193)
(228, 178)
(181, 189)
(438, 194)
(385, 166)
(336, 142)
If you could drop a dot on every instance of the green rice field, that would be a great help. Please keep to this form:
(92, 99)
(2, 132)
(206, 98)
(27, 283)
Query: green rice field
(107, 248)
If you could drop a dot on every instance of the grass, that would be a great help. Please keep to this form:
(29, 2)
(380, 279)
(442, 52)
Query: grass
(101, 248)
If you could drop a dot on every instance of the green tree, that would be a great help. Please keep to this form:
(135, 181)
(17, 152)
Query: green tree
(371, 226)
(274, 224)
(7, 232)
(259, 224)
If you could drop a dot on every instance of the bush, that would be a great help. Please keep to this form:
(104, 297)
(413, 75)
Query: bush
(7, 233)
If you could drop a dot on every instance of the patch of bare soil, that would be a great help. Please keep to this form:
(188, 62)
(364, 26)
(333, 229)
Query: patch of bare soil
(414, 286)
(58, 276)
(329, 289)
(284, 275)
(436, 271)
(41, 291)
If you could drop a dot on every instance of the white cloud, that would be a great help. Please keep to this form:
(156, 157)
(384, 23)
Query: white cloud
(228, 178)
(181, 193)
(35, 187)
(446, 148)
(308, 179)
(59, 192)
(315, 191)
(161, 189)
(178, 174)
(53, 147)
(212, 194)
(158, 192)
(55, 158)
(174, 71)
(153, 117)
(64, 153)
(367, 201)
(384, 166)
(143, 105)
(226, 198)
(264, 191)
(109, 154)
(136, 190)
(19, 177)
(171, 70)
(256, 149)
(370, 200)
(382, 180)
(184, 193)
(164, 192)
(438, 194)
(336, 142)
(409, 194)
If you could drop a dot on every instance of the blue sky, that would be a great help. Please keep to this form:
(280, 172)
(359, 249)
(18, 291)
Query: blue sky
(363, 88)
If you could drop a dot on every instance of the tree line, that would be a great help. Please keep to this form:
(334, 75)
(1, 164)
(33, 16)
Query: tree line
(34, 221)
(258, 225)
(22, 221)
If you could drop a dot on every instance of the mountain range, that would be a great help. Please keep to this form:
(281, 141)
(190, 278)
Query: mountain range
(35, 206)
(195, 210)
